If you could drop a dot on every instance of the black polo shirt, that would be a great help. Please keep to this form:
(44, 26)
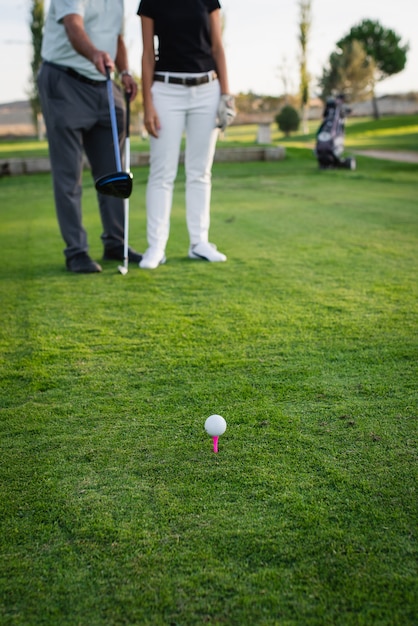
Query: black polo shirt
(182, 28)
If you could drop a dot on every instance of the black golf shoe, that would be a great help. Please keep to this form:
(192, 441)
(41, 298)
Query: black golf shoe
(116, 254)
(82, 264)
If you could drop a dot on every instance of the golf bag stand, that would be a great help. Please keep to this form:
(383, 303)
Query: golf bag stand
(330, 136)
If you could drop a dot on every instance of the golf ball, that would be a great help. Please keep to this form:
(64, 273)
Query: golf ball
(215, 425)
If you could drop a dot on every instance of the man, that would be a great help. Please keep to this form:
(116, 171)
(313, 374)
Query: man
(81, 38)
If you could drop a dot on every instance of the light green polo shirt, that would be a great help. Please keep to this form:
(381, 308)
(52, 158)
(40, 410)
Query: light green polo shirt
(103, 22)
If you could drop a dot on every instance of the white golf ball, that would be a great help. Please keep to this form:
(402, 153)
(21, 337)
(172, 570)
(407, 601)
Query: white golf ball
(215, 425)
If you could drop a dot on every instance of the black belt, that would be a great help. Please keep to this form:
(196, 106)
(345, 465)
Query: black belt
(189, 81)
(76, 75)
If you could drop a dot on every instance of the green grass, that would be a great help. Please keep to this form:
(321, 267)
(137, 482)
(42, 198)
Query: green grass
(114, 509)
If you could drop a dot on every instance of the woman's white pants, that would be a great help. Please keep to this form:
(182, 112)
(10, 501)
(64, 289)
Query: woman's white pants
(191, 110)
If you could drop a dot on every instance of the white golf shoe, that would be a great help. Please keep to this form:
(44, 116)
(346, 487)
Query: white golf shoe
(207, 252)
(152, 258)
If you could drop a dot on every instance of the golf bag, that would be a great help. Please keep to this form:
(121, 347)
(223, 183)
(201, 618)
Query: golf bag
(330, 136)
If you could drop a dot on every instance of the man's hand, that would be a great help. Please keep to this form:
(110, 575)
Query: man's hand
(130, 86)
(101, 60)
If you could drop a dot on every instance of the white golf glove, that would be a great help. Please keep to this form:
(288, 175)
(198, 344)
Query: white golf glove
(226, 111)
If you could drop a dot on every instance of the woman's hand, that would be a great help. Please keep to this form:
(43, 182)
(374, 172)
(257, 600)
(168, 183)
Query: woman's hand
(151, 120)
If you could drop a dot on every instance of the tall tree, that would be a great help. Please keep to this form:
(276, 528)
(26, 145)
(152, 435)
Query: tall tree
(284, 76)
(36, 27)
(382, 45)
(350, 71)
(305, 23)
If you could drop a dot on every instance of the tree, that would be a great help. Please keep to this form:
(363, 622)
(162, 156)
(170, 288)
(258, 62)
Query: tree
(36, 27)
(304, 29)
(284, 76)
(383, 46)
(350, 71)
(288, 120)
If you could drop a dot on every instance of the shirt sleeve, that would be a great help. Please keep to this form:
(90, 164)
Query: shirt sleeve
(213, 5)
(66, 7)
(146, 8)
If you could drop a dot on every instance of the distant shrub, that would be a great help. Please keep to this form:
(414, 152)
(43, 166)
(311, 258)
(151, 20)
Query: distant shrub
(288, 120)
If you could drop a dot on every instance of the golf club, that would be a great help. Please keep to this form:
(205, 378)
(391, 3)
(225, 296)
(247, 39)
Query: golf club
(123, 269)
(118, 184)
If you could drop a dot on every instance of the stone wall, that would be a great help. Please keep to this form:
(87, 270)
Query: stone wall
(16, 166)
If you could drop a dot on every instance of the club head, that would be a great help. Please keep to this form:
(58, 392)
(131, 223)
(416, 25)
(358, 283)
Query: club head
(117, 184)
(122, 269)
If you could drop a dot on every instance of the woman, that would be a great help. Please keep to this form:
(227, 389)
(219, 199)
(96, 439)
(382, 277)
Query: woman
(185, 88)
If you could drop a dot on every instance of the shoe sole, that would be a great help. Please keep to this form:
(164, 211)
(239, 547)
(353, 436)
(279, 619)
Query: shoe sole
(153, 267)
(85, 270)
(198, 257)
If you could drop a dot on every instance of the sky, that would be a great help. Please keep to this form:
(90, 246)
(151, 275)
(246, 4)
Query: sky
(261, 42)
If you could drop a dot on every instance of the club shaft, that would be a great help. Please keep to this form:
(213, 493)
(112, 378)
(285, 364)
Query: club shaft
(113, 121)
(127, 168)
(126, 206)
